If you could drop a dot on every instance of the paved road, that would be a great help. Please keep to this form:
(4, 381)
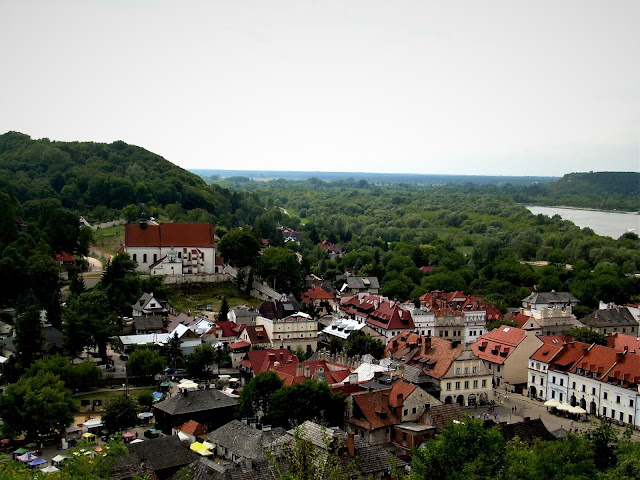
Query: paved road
(528, 407)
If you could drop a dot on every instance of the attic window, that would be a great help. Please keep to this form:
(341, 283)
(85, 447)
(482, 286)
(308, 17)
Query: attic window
(506, 329)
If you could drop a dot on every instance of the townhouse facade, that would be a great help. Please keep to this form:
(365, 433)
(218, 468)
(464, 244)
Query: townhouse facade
(297, 331)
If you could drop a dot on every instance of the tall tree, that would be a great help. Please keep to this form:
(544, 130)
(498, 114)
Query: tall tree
(120, 414)
(224, 311)
(280, 267)
(29, 336)
(39, 404)
(144, 363)
(240, 247)
(255, 397)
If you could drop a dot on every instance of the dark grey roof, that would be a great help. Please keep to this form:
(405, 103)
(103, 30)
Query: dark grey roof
(363, 282)
(610, 317)
(196, 401)
(369, 460)
(551, 297)
(163, 452)
(243, 311)
(527, 431)
(244, 440)
(148, 322)
(203, 469)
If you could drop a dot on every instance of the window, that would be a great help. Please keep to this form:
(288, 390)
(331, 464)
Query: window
(180, 255)
(617, 398)
(475, 384)
(593, 391)
(155, 257)
(560, 396)
(144, 258)
(621, 417)
(414, 410)
(630, 417)
(475, 370)
(406, 411)
(498, 369)
(573, 385)
(457, 385)
(631, 402)
(613, 413)
(466, 385)
(553, 394)
(484, 384)
(605, 395)
(541, 381)
(448, 386)
(466, 370)
(604, 411)
(458, 371)
(553, 379)
(562, 382)
(135, 257)
(533, 379)
(584, 387)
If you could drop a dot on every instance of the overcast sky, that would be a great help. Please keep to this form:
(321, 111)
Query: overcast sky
(471, 87)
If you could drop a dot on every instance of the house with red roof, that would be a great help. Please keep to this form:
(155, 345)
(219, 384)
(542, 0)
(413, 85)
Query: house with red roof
(191, 430)
(172, 248)
(374, 415)
(389, 319)
(322, 299)
(456, 315)
(506, 352)
(622, 342)
(359, 307)
(605, 382)
(319, 370)
(255, 335)
(551, 361)
(65, 260)
(258, 361)
(225, 332)
(330, 249)
(446, 369)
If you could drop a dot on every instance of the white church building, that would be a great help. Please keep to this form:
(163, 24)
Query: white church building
(172, 248)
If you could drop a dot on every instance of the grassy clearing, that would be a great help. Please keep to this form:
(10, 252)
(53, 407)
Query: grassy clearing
(109, 239)
(106, 396)
(185, 297)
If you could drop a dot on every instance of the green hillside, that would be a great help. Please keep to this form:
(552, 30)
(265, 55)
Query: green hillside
(101, 178)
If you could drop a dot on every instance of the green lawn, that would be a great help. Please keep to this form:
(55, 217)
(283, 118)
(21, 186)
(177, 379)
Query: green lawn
(106, 396)
(109, 239)
(185, 297)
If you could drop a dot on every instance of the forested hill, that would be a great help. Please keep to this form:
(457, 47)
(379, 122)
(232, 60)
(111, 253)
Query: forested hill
(597, 183)
(101, 178)
(601, 190)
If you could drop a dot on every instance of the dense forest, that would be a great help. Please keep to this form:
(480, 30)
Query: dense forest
(473, 237)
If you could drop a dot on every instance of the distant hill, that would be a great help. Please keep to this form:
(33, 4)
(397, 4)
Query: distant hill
(600, 190)
(86, 175)
(386, 178)
(597, 183)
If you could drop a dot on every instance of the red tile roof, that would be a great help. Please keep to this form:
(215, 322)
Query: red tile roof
(64, 257)
(193, 428)
(433, 354)
(621, 342)
(333, 372)
(625, 372)
(546, 352)
(597, 359)
(390, 316)
(520, 318)
(257, 334)
(170, 235)
(379, 407)
(264, 360)
(459, 301)
(496, 346)
(317, 293)
(239, 345)
(229, 329)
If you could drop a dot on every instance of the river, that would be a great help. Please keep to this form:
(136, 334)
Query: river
(609, 224)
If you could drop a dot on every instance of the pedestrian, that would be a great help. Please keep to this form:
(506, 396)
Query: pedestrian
(515, 409)
(136, 435)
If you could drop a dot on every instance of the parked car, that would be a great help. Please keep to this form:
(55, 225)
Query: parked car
(124, 357)
(209, 307)
(151, 433)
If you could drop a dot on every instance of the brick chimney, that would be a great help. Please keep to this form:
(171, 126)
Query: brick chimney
(351, 444)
